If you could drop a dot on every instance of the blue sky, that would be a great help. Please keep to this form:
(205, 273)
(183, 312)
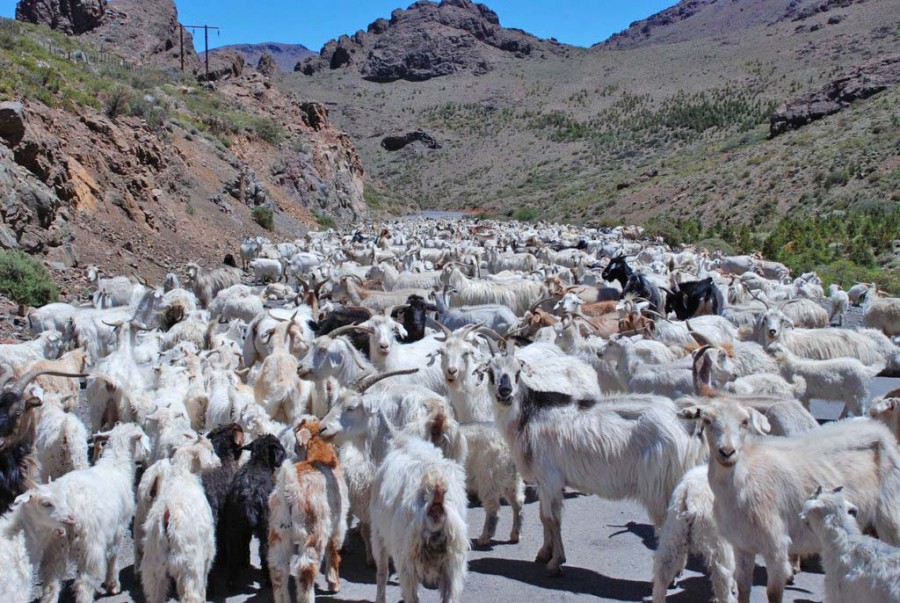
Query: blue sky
(578, 22)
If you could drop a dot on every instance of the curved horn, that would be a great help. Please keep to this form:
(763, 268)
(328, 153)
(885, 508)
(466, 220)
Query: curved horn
(444, 329)
(303, 284)
(538, 303)
(698, 337)
(389, 311)
(369, 380)
(26, 379)
(348, 328)
(756, 296)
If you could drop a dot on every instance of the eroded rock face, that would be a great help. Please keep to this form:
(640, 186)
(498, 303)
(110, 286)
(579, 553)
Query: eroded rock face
(69, 16)
(267, 65)
(425, 41)
(870, 78)
(395, 143)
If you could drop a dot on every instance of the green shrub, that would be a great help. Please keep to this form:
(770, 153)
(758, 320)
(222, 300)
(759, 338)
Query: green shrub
(716, 244)
(25, 280)
(264, 216)
(526, 214)
(324, 220)
(117, 102)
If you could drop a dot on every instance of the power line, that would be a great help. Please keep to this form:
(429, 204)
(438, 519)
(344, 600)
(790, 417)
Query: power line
(205, 29)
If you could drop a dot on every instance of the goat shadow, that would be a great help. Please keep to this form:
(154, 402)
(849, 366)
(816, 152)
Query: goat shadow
(641, 530)
(575, 580)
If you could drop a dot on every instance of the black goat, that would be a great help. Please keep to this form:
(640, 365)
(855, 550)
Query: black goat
(617, 270)
(693, 298)
(633, 282)
(342, 316)
(227, 441)
(246, 510)
(557, 246)
(17, 424)
(414, 314)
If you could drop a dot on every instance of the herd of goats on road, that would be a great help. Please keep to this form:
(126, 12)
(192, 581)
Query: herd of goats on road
(383, 377)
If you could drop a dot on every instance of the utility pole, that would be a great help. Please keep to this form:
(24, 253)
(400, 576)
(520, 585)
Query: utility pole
(206, 29)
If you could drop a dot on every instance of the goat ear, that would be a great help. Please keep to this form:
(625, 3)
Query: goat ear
(277, 455)
(692, 412)
(838, 489)
(33, 402)
(303, 436)
(759, 422)
(526, 368)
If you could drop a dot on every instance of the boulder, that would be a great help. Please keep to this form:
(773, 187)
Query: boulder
(868, 79)
(267, 65)
(12, 122)
(69, 16)
(395, 143)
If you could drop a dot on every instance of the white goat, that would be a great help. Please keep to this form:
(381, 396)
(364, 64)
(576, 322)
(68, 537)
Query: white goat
(418, 512)
(844, 379)
(179, 536)
(492, 475)
(639, 442)
(101, 499)
(857, 567)
(36, 519)
(760, 483)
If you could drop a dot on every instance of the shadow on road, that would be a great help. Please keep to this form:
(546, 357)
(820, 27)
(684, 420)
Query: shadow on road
(574, 580)
(641, 530)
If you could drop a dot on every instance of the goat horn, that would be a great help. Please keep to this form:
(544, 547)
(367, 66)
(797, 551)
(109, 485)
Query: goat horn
(138, 278)
(510, 347)
(389, 311)
(348, 328)
(467, 330)
(25, 380)
(368, 381)
(538, 303)
(303, 284)
(114, 325)
(894, 393)
(698, 337)
(756, 296)
(446, 331)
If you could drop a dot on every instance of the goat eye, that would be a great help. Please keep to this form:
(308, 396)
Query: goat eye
(745, 423)
(47, 504)
(706, 421)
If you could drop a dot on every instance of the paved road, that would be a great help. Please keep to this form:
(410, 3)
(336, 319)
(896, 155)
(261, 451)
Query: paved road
(609, 546)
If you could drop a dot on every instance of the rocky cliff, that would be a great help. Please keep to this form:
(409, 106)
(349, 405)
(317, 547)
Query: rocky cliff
(428, 40)
(68, 16)
(138, 170)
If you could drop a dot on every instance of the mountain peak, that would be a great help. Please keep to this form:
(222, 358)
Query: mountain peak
(428, 40)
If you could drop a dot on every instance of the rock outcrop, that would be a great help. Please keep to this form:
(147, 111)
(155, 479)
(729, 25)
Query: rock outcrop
(871, 78)
(425, 41)
(395, 143)
(146, 32)
(69, 16)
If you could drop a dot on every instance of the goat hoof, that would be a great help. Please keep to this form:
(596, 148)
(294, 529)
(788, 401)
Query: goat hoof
(543, 556)
(483, 543)
(334, 588)
(513, 539)
(554, 570)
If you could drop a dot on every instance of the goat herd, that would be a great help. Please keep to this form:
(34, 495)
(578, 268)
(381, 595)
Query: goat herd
(384, 377)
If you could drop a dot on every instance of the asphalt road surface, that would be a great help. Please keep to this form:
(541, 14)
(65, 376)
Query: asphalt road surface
(609, 547)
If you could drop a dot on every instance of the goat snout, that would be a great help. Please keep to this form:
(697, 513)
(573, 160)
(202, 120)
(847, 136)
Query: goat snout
(726, 455)
(772, 332)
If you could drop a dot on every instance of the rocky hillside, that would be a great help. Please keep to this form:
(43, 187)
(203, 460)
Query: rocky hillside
(695, 19)
(677, 128)
(286, 55)
(143, 169)
(429, 40)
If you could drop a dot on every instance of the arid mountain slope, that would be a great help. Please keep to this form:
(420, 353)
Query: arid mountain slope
(286, 55)
(676, 129)
(144, 169)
